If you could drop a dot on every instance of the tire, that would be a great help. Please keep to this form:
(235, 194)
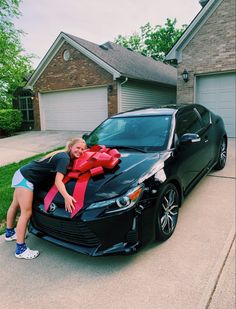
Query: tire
(222, 156)
(167, 211)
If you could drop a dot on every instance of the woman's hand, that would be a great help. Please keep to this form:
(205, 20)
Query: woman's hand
(69, 203)
(69, 200)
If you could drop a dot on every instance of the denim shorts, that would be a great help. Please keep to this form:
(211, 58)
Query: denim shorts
(18, 181)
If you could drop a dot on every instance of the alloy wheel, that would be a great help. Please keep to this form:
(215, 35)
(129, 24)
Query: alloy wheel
(170, 212)
(167, 212)
(223, 153)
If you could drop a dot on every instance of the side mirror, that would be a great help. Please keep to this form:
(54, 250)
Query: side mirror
(85, 136)
(189, 138)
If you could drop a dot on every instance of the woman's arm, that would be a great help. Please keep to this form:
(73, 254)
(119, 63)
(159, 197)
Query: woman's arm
(69, 200)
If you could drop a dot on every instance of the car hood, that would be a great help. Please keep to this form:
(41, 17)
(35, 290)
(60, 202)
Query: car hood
(133, 168)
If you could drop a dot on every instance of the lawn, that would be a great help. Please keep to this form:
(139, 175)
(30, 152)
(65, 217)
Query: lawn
(6, 192)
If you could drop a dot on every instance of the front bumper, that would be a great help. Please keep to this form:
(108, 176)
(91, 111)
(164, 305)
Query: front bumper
(94, 251)
(89, 232)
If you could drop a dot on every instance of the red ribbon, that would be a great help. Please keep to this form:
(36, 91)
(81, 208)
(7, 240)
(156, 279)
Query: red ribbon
(91, 163)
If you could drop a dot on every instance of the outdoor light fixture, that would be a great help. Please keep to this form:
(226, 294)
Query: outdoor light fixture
(32, 94)
(110, 88)
(185, 75)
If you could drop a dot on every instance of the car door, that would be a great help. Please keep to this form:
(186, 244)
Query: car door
(207, 133)
(192, 157)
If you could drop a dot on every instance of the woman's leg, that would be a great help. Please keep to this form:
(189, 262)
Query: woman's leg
(25, 199)
(11, 213)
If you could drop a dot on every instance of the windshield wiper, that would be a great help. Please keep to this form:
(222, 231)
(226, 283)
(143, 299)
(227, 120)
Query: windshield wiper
(122, 147)
(130, 147)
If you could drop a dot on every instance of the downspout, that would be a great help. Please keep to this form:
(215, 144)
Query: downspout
(120, 94)
(125, 81)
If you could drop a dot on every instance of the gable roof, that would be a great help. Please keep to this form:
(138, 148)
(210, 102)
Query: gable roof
(192, 29)
(118, 60)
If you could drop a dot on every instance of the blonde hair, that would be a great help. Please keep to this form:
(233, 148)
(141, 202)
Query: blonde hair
(71, 142)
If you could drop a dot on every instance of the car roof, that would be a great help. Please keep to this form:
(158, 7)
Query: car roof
(151, 111)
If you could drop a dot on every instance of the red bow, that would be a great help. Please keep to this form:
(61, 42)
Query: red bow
(90, 163)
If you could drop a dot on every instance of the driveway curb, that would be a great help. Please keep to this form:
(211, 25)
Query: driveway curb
(216, 271)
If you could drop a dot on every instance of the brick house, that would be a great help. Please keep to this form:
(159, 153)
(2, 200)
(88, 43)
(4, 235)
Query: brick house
(206, 51)
(78, 83)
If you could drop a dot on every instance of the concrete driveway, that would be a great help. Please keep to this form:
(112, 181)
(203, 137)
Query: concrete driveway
(194, 269)
(28, 144)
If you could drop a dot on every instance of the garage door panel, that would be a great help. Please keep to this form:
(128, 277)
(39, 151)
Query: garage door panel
(80, 109)
(224, 98)
(217, 92)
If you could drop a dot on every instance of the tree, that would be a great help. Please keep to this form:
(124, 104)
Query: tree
(14, 66)
(153, 41)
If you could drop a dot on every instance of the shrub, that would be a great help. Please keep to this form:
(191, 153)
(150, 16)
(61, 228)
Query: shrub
(10, 120)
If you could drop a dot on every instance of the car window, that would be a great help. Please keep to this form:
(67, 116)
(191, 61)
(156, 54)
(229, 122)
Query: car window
(205, 115)
(149, 132)
(188, 122)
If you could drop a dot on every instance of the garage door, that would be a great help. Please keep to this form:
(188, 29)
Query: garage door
(136, 95)
(217, 92)
(80, 109)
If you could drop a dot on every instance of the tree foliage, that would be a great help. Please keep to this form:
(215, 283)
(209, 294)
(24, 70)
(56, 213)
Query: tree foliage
(14, 66)
(153, 41)
(10, 120)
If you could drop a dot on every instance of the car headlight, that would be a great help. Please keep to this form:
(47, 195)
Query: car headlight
(129, 199)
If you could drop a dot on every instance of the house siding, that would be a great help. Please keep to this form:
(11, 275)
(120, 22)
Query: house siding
(213, 50)
(78, 72)
(135, 95)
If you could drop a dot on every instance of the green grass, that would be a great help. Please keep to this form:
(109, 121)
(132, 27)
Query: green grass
(6, 192)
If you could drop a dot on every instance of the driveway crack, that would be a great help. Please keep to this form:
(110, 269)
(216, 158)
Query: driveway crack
(227, 177)
(219, 274)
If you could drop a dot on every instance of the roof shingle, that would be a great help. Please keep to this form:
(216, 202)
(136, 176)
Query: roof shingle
(130, 63)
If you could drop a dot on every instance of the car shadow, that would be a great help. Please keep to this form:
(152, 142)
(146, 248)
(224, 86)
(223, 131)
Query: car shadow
(68, 261)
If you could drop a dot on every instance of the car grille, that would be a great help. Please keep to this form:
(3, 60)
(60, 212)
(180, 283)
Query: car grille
(67, 230)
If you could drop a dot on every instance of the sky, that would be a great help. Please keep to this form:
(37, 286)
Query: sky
(97, 21)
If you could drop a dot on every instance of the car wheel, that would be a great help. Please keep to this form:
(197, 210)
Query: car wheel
(167, 212)
(222, 156)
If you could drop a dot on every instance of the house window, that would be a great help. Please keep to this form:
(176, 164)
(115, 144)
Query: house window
(26, 107)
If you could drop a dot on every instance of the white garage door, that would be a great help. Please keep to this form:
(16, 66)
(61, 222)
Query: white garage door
(80, 109)
(136, 95)
(217, 92)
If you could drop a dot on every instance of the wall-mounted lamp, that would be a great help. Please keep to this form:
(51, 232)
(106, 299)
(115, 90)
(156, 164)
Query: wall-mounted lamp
(185, 75)
(32, 94)
(109, 88)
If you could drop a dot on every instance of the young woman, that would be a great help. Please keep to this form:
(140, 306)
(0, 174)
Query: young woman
(24, 180)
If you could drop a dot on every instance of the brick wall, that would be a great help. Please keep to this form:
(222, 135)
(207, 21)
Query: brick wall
(211, 50)
(79, 71)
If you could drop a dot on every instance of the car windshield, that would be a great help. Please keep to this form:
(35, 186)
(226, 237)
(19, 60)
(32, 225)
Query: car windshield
(147, 133)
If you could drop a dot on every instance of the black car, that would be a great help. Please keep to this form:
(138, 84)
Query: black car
(164, 152)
